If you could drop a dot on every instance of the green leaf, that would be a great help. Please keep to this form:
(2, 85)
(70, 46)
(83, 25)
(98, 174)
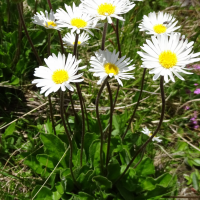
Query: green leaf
(88, 139)
(38, 38)
(145, 168)
(76, 159)
(14, 80)
(116, 124)
(85, 196)
(44, 194)
(94, 152)
(195, 182)
(102, 182)
(196, 162)
(59, 188)
(9, 131)
(188, 178)
(84, 179)
(45, 160)
(55, 148)
(150, 183)
(113, 170)
(127, 195)
(130, 181)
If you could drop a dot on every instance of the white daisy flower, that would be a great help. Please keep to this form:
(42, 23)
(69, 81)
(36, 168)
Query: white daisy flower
(105, 63)
(46, 20)
(147, 132)
(166, 55)
(59, 73)
(106, 9)
(69, 39)
(160, 23)
(75, 19)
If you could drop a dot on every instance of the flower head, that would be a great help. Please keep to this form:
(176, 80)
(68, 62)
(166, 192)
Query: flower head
(46, 20)
(187, 107)
(156, 24)
(197, 91)
(69, 39)
(147, 132)
(168, 54)
(106, 9)
(75, 19)
(105, 63)
(59, 73)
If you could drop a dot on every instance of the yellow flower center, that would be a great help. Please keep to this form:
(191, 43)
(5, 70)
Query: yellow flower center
(106, 9)
(159, 28)
(167, 59)
(51, 23)
(79, 23)
(60, 76)
(111, 68)
(79, 42)
(150, 134)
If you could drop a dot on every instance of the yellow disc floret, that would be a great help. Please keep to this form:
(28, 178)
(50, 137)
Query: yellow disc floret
(167, 59)
(79, 23)
(79, 42)
(51, 23)
(159, 28)
(106, 9)
(111, 68)
(60, 76)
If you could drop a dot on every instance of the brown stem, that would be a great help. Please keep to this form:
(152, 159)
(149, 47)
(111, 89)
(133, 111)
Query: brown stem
(157, 129)
(27, 35)
(104, 36)
(99, 121)
(138, 102)
(49, 96)
(81, 103)
(118, 42)
(72, 103)
(110, 128)
(68, 136)
(88, 127)
(19, 40)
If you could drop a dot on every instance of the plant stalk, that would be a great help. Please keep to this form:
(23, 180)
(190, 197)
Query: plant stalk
(157, 129)
(67, 133)
(99, 121)
(81, 103)
(49, 96)
(110, 128)
(117, 35)
(104, 36)
(138, 102)
(27, 35)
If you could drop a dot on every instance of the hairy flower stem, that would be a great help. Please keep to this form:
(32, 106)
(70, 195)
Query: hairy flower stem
(104, 36)
(81, 103)
(110, 128)
(138, 102)
(88, 127)
(27, 34)
(49, 96)
(157, 129)
(117, 35)
(37, 57)
(68, 136)
(99, 121)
